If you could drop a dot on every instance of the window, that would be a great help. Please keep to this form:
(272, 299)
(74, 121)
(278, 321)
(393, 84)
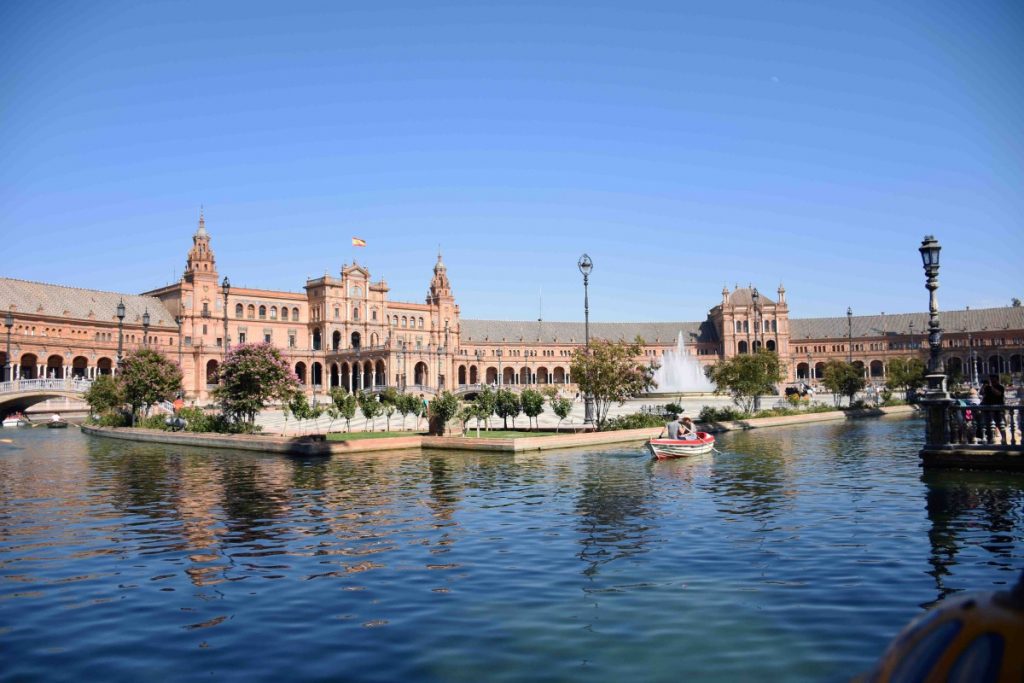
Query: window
(251, 311)
(204, 329)
(219, 341)
(291, 340)
(206, 309)
(188, 341)
(394, 321)
(239, 310)
(373, 314)
(337, 313)
(263, 312)
(295, 314)
(739, 326)
(241, 337)
(421, 322)
(355, 313)
(273, 312)
(404, 322)
(266, 337)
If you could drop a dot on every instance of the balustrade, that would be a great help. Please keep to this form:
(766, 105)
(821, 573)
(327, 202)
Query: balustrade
(984, 425)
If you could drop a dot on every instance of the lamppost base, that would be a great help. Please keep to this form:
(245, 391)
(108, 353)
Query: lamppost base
(936, 386)
(588, 410)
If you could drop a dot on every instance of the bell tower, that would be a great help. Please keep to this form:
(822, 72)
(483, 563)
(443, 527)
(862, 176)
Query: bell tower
(200, 256)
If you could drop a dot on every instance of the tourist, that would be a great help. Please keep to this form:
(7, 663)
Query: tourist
(687, 431)
(672, 428)
(994, 394)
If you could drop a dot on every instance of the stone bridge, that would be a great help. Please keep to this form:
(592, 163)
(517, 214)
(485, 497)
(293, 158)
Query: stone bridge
(19, 394)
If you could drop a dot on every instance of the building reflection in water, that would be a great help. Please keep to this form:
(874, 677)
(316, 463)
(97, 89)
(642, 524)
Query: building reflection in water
(613, 511)
(972, 513)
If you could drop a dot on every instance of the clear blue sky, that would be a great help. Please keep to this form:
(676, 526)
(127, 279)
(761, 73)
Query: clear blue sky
(683, 145)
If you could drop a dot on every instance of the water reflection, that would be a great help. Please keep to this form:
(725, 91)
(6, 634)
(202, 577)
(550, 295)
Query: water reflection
(972, 514)
(759, 487)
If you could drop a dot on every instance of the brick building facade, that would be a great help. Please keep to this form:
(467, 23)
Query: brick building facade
(345, 331)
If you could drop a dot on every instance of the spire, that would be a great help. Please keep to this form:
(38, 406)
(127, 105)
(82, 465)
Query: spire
(201, 231)
(200, 256)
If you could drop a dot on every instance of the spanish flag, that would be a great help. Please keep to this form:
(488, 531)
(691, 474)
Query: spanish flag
(356, 242)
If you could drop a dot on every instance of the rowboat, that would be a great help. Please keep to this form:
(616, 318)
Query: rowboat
(664, 449)
(15, 420)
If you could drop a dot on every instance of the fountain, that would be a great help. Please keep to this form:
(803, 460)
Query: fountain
(681, 373)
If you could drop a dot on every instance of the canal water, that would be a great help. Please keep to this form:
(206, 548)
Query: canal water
(794, 555)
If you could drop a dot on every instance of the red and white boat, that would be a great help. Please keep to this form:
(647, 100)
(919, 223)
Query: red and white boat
(665, 449)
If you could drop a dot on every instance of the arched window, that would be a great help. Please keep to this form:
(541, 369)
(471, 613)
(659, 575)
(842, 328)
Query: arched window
(251, 311)
(273, 312)
(239, 310)
(295, 314)
(739, 326)
(404, 321)
(770, 345)
(337, 313)
(421, 322)
(742, 348)
(355, 313)
(263, 312)
(373, 314)
(394, 321)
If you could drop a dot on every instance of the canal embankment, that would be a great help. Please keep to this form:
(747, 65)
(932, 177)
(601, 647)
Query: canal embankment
(317, 445)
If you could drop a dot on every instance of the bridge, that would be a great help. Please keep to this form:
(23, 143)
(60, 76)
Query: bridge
(19, 394)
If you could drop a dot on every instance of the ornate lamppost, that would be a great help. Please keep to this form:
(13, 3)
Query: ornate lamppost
(226, 284)
(401, 362)
(178, 319)
(145, 329)
(755, 296)
(8, 323)
(930, 249)
(810, 370)
(120, 336)
(849, 329)
(586, 266)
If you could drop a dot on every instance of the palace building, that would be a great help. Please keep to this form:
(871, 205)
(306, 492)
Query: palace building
(346, 331)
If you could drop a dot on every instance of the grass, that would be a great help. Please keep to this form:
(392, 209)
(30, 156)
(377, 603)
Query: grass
(506, 433)
(355, 436)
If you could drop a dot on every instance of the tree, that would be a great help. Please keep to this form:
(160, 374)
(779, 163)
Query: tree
(747, 376)
(404, 405)
(506, 405)
(533, 404)
(251, 376)
(388, 404)
(346, 407)
(611, 372)
(904, 374)
(370, 407)
(105, 393)
(298, 406)
(561, 406)
(1015, 302)
(147, 378)
(442, 409)
(333, 409)
(843, 379)
(487, 401)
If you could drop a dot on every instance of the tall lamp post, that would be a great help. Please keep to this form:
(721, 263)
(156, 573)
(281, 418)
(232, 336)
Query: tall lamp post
(930, 249)
(145, 329)
(8, 323)
(226, 284)
(120, 336)
(849, 329)
(755, 296)
(178, 319)
(586, 266)
(401, 362)
(498, 354)
(810, 370)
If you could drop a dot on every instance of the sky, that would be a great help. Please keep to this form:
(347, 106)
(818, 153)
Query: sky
(684, 146)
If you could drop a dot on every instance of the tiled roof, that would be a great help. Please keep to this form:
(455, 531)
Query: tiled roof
(490, 331)
(744, 296)
(74, 303)
(985, 319)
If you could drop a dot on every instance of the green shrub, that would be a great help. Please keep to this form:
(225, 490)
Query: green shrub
(152, 422)
(634, 421)
(195, 419)
(727, 414)
(859, 404)
(673, 409)
(113, 418)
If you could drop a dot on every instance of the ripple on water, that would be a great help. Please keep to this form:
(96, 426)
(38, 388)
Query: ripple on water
(793, 555)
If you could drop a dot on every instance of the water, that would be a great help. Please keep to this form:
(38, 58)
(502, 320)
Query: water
(793, 556)
(681, 372)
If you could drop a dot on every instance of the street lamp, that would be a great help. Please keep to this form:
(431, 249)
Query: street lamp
(849, 327)
(498, 354)
(145, 329)
(226, 284)
(586, 266)
(930, 249)
(402, 360)
(755, 296)
(810, 372)
(120, 335)
(8, 323)
(179, 320)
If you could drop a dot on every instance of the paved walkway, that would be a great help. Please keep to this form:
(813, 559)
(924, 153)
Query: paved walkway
(273, 421)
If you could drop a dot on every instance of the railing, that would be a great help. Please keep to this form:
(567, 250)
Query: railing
(70, 384)
(985, 425)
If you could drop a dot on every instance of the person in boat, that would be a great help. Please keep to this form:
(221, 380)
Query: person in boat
(672, 428)
(687, 430)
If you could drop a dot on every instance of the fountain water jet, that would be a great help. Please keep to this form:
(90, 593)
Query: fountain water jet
(681, 373)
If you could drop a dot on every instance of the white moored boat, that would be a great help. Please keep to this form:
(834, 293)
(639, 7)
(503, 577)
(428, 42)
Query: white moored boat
(664, 449)
(15, 420)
